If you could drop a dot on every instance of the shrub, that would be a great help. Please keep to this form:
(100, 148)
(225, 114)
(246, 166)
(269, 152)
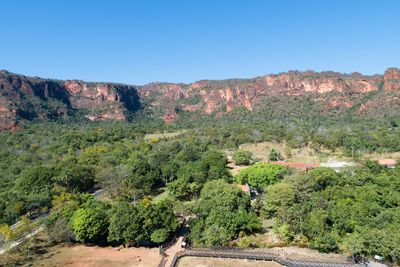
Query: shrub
(275, 155)
(89, 225)
(59, 232)
(242, 157)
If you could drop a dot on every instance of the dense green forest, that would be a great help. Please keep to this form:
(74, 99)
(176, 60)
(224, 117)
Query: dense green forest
(355, 211)
(54, 166)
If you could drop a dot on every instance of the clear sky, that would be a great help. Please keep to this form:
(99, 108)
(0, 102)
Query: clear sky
(138, 42)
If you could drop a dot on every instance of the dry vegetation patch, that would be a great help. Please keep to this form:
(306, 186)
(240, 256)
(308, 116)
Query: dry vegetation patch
(38, 252)
(158, 136)
(262, 150)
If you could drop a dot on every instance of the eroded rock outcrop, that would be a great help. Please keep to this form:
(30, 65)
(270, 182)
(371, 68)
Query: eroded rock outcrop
(36, 98)
(8, 116)
(43, 99)
(228, 95)
(105, 101)
(298, 83)
(392, 79)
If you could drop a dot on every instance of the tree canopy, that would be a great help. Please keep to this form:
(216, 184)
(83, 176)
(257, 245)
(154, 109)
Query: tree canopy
(260, 175)
(144, 222)
(223, 212)
(356, 212)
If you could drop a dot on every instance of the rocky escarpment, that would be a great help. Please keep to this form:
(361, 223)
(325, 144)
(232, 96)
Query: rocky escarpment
(30, 98)
(392, 79)
(225, 96)
(8, 116)
(36, 98)
(105, 101)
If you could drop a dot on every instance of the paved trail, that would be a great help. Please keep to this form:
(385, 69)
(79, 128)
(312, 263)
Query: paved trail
(21, 240)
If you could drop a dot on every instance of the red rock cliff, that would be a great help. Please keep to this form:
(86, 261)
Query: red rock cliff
(26, 97)
(227, 95)
(102, 99)
(8, 116)
(392, 79)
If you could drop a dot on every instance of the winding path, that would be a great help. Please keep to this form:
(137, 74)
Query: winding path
(21, 240)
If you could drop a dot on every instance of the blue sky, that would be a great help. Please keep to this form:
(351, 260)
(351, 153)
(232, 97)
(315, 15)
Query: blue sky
(138, 42)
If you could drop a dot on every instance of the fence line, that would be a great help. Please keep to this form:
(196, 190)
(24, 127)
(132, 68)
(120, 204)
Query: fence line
(163, 261)
(169, 244)
(255, 255)
(177, 256)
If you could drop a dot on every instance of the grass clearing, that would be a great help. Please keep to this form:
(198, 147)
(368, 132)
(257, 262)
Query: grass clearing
(158, 136)
(261, 240)
(377, 156)
(262, 150)
(306, 154)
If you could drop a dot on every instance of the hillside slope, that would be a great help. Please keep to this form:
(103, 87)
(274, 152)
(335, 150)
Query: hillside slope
(326, 93)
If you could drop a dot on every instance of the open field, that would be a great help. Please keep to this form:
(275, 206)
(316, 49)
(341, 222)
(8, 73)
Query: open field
(80, 255)
(156, 136)
(261, 151)
(211, 262)
(42, 253)
(304, 154)
(377, 156)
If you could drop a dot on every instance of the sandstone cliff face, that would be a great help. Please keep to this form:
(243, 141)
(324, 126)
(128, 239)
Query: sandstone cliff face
(23, 97)
(228, 95)
(36, 98)
(107, 101)
(298, 83)
(392, 79)
(16, 87)
(8, 116)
